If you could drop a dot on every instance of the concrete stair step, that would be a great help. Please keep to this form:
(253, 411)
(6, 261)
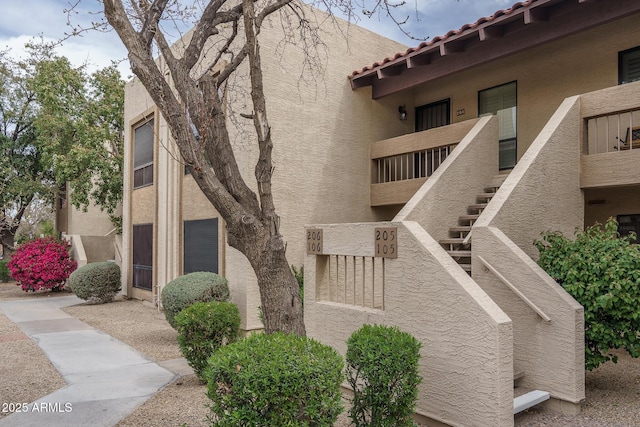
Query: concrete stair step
(459, 253)
(452, 241)
(468, 219)
(529, 399)
(485, 196)
(460, 229)
(477, 207)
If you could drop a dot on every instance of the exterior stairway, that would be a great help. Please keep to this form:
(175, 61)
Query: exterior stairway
(458, 245)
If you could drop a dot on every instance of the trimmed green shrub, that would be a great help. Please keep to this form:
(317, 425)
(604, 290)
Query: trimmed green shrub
(601, 270)
(203, 328)
(5, 275)
(97, 283)
(275, 380)
(191, 288)
(382, 370)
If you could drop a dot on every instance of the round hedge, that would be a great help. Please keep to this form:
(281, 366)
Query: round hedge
(195, 287)
(275, 380)
(97, 283)
(203, 328)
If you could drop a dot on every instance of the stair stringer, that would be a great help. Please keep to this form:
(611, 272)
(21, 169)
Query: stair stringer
(541, 193)
(463, 175)
(467, 339)
(548, 323)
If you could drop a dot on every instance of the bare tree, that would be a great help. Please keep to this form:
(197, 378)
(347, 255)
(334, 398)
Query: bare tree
(195, 114)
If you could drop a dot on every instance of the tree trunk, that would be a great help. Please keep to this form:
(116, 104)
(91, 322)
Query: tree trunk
(279, 290)
(7, 237)
(196, 102)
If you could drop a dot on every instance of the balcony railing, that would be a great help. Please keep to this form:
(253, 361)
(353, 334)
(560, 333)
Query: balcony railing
(418, 164)
(613, 132)
(610, 137)
(399, 166)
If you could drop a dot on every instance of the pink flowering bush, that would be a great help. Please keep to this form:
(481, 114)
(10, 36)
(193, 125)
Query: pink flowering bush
(42, 264)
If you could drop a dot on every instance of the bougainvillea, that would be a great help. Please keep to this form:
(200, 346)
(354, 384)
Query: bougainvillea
(42, 264)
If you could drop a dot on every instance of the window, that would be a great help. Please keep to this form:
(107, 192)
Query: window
(143, 256)
(628, 224)
(201, 245)
(433, 115)
(143, 154)
(629, 65)
(502, 101)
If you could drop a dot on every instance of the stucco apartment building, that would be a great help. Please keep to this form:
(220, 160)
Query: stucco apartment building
(92, 235)
(412, 188)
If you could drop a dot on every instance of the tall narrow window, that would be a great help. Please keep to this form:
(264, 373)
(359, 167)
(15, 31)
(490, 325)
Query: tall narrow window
(143, 154)
(201, 245)
(628, 224)
(629, 65)
(143, 256)
(433, 115)
(502, 101)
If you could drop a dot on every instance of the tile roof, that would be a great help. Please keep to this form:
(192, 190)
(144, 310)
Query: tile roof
(435, 40)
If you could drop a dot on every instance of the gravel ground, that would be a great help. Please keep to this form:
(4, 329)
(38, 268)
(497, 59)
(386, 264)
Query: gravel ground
(613, 390)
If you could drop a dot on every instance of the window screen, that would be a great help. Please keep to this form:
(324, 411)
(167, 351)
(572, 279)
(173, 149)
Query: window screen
(629, 65)
(143, 154)
(503, 102)
(628, 224)
(143, 256)
(433, 115)
(201, 245)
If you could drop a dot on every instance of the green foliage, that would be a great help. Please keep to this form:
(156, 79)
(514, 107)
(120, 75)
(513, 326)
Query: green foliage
(57, 124)
(191, 288)
(382, 370)
(25, 176)
(203, 328)
(5, 275)
(97, 283)
(80, 130)
(47, 229)
(275, 380)
(601, 270)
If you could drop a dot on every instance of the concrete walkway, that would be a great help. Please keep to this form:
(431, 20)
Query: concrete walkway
(106, 379)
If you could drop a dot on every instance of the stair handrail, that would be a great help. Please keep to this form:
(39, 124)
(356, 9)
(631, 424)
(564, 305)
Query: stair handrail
(515, 289)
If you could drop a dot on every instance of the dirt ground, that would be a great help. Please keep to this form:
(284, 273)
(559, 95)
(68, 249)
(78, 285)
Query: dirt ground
(612, 390)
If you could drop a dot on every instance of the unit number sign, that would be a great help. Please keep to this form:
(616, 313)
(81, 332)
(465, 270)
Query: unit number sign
(386, 241)
(314, 241)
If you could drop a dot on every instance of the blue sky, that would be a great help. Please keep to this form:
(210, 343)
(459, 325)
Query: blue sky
(22, 20)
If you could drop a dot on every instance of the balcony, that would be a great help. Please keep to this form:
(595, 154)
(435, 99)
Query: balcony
(611, 137)
(400, 165)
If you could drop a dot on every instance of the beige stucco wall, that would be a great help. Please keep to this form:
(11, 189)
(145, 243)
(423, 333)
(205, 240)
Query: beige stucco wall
(321, 132)
(602, 204)
(543, 190)
(465, 173)
(545, 75)
(542, 193)
(466, 359)
(93, 222)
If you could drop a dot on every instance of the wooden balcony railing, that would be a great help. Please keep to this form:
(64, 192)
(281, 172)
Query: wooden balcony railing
(610, 137)
(399, 166)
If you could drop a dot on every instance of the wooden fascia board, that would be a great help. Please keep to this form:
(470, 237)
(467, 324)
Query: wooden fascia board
(539, 14)
(576, 19)
(491, 32)
(386, 72)
(418, 60)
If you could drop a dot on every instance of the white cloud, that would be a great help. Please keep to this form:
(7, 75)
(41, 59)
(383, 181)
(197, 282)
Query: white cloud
(20, 21)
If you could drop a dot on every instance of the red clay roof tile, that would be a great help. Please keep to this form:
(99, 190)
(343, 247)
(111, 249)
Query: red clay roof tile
(465, 27)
